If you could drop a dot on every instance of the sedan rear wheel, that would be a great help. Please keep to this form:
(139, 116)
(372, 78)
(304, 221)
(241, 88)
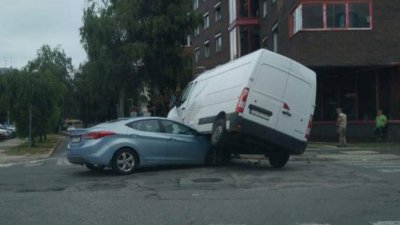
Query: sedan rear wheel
(124, 162)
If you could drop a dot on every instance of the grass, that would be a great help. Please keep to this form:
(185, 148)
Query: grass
(39, 148)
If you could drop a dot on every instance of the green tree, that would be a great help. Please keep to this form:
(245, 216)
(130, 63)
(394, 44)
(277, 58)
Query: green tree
(37, 95)
(132, 45)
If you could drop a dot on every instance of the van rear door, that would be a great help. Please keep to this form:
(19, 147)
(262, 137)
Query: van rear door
(297, 106)
(265, 95)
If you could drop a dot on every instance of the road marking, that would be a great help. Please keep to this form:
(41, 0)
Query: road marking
(33, 163)
(5, 165)
(387, 223)
(384, 167)
(63, 162)
(390, 170)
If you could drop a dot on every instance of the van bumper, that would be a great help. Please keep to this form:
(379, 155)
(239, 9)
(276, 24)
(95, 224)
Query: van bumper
(268, 135)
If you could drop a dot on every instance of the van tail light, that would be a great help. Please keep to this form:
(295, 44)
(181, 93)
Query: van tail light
(309, 126)
(286, 106)
(97, 134)
(242, 100)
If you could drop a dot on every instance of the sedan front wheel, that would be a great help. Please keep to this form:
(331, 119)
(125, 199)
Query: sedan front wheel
(124, 161)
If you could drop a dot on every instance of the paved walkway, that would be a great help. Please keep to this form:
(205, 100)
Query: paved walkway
(7, 144)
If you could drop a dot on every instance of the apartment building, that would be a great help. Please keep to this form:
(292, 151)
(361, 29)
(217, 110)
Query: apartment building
(353, 45)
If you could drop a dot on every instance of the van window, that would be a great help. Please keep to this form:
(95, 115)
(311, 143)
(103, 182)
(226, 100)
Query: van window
(185, 94)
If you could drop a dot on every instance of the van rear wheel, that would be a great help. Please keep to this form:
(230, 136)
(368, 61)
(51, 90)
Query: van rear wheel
(278, 159)
(219, 132)
(217, 157)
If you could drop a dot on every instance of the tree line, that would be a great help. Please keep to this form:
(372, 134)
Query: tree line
(136, 56)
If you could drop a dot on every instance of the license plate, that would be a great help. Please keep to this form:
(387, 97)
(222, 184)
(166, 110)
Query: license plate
(259, 114)
(75, 139)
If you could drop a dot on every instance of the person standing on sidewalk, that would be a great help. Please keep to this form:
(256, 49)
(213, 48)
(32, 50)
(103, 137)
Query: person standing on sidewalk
(380, 125)
(341, 125)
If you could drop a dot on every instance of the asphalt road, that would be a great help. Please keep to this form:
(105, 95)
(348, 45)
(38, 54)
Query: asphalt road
(339, 191)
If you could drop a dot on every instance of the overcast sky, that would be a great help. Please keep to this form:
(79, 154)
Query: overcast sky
(26, 25)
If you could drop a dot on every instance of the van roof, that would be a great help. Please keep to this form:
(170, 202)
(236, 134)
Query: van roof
(254, 57)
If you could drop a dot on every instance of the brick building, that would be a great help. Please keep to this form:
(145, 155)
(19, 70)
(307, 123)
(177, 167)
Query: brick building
(353, 45)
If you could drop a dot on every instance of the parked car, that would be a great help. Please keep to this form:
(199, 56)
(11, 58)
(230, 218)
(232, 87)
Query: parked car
(127, 144)
(263, 102)
(8, 131)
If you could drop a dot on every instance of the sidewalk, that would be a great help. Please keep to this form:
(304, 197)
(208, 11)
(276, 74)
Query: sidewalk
(366, 151)
(7, 144)
(328, 151)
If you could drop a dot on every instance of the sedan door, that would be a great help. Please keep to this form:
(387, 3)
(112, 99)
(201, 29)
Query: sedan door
(185, 146)
(150, 141)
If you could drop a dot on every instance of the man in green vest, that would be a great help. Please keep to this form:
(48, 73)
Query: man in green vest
(380, 125)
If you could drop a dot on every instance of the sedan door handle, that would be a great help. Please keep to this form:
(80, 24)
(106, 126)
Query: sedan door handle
(286, 113)
(183, 108)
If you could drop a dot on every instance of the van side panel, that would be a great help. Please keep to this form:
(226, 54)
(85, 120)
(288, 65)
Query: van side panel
(220, 95)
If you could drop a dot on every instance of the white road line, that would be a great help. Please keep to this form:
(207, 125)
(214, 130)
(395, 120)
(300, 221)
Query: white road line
(34, 163)
(5, 165)
(63, 162)
(390, 170)
(387, 223)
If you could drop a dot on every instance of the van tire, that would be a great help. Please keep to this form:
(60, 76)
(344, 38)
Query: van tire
(217, 157)
(278, 159)
(219, 133)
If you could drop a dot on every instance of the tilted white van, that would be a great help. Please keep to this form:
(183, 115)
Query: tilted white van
(261, 103)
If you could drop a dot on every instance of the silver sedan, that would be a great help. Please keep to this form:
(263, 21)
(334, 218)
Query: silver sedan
(127, 144)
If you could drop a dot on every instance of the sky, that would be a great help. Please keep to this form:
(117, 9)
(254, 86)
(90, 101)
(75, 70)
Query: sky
(26, 25)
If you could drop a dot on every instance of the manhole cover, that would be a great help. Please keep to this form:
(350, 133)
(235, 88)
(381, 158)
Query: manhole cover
(207, 180)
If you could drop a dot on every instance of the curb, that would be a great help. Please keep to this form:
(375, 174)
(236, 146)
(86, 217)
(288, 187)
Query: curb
(54, 147)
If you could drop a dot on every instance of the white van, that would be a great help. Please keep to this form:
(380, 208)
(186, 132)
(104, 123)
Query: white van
(260, 103)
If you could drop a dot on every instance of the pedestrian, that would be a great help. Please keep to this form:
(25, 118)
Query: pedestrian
(341, 125)
(380, 125)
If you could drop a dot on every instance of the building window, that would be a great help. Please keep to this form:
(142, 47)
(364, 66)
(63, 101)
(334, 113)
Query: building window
(335, 15)
(189, 40)
(275, 37)
(248, 8)
(321, 15)
(249, 39)
(312, 16)
(196, 55)
(206, 49)
(195, 4)
(264, 42)
(218, 43)
(359, 15)
(264, 7)
(196, 31)
(206, 21)
(218, 12)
